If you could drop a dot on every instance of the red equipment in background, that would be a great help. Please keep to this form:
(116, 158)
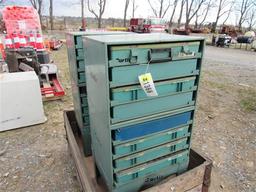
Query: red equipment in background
(150, 25)
(8, 42)
(2, 49)
(39, 42)
(23, 41)
(21, 18)
(32, 40)
(25, 21)
(16, 40)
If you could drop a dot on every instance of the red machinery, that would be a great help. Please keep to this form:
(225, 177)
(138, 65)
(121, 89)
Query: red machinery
(140, 25)
(24, 31)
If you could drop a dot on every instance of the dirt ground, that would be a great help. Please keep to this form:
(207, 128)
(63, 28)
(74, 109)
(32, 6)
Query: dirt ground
(36, 158)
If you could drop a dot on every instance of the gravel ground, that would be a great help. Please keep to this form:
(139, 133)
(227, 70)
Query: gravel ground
(36, 158)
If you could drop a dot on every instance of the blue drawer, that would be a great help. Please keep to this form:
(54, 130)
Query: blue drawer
(128, 75)
(151, 106)
(176, 162)
(150, 154)
(143, 129)
(149, 141)
(138, 54)
(135, 93)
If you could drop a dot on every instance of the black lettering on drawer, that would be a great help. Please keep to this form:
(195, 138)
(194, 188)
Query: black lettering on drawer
(153, 179)
(123, 60)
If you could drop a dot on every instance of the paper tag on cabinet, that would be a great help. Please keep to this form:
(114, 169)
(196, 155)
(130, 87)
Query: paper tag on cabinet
(147, 84)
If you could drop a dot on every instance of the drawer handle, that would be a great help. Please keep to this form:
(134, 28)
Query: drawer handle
(129, 144)
(130, 158)
(185, 52)
(158, 60)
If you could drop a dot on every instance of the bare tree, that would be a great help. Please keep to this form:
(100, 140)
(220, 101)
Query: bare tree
(125, 10)
(51, 14)
(173, 12)
(182, 3)
(192, 7)
(229, 12)
(251, 19)
(101, 5)
(243, 10)
(82, 15)
(134, 7)
(209, 5)
(222, 10)
(160, 7)
(38, 5)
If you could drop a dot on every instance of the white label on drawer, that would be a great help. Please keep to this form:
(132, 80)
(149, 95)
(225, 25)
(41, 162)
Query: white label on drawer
(147, 84)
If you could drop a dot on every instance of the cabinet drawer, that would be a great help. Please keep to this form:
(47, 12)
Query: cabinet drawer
(81, 77)
(86, 120)
(148, 155)
(139, 54)
(175, 162)
(135, 93)
(79, 42)
(85, 110)
(79, 54)
(151, 106)
(153, 140)
(128, 75)
(150, 127)
(80, 66)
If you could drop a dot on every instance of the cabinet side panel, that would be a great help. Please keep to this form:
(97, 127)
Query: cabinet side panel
(98, 100)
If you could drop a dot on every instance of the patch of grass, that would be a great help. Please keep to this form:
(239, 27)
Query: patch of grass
(216, 85)
(248, 99)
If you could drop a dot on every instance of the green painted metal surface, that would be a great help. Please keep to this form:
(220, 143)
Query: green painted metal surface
(124, 148)
(159, 71)
(78, 80)
(143, 54)
(151, 167)
(115, 100)
(164, 88)
(153, 153)
(151, 106)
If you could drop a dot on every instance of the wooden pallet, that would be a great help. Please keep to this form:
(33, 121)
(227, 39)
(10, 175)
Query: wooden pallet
(196, 179)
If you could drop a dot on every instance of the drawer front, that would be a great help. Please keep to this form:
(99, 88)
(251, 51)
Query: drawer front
(151, 106)
(179, 159)
(81, 77)
(135, 93)
(148, 155)
(128, 75)
(79, 42)
(84, 101)
(150, 127)
(125, 55)
(79, 54)
(86, 120)
(85, 111)
(153, 140)
(80, 66)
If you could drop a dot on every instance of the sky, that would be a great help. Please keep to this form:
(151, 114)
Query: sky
(115, 8)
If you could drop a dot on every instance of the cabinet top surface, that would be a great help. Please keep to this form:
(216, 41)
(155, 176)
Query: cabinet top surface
(142, 38)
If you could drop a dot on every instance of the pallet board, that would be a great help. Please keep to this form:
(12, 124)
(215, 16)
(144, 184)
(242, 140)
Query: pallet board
(195, 179)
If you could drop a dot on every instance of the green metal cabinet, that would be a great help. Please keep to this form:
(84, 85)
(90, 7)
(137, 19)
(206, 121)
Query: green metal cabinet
(138, 140)
(78, 81)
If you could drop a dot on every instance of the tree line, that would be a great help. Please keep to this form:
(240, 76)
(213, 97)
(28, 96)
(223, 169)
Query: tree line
(191, 10)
